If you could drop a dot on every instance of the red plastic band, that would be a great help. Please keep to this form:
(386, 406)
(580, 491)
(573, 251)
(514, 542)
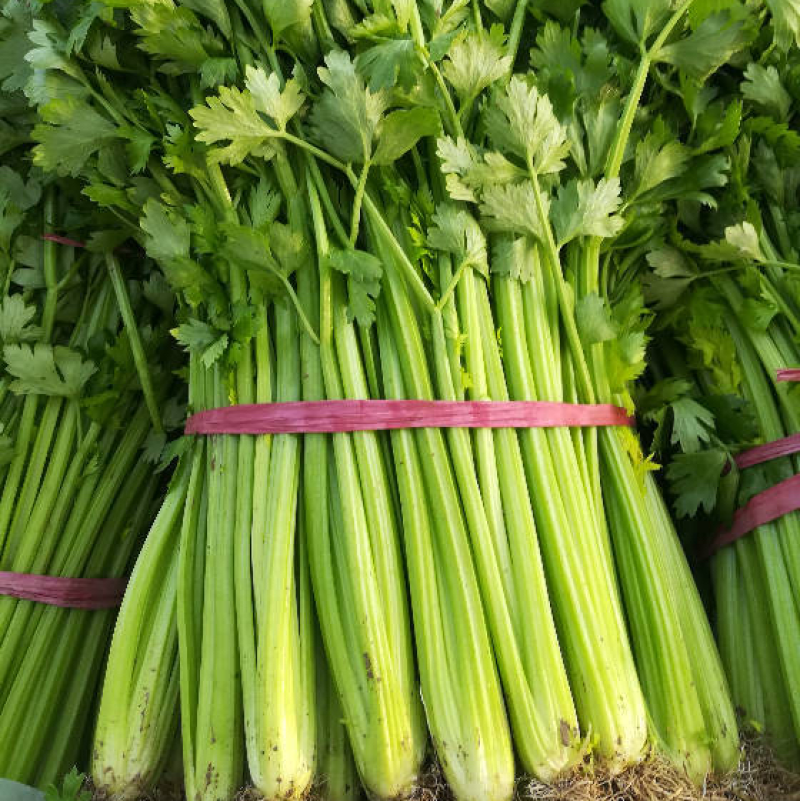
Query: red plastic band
(70, 593)
(787, 374)
(770, 450)
(332, 416)
(63, 240)
(773, 502)
(763, 508)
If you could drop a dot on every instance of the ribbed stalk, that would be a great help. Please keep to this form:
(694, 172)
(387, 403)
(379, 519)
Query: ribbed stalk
(211, 714)
(769, 540)
(357, 566)
(337, 775)
(460, 686)
(284, 690)
(59, 661)
(576, 554)
(506, 549)
(72, 666)
(138, 712)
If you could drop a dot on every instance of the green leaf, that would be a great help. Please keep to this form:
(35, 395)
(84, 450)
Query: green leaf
(15, 321)
(264, 203)
(156, 290)
(658, 158)
(346, 118)
(71, 788)
(138, 147)
(401, 130)
(50, 52)
(786, 19)
(43, 370)
(167, 240)
(233, 117)
(705, 50)
(363, 271)
(476, 61)
(744, 238)
(168, 234)
(215, 10)
(512, 209)
(217, 71)
(660, 395)
(457, 232)
(694, 479)
(174, 35)
(757, 314)
(268, 98)
(282, 14)
(600, 121)
(671, 275)
(595, 323)
(740, 242)
(582, 208)
(103, 52)
(15, 190)
(762, 85)
(718, 127)
(701, 174)
(14, 45)
(514, 257)
(636, 20)
(200, 338)
(388, 64)
(521, 122)
(71, 132)
(692, 424)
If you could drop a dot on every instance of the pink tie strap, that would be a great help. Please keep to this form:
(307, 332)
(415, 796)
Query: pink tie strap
(332, 416)
(63, 240)
(763, 508)
(70, 593)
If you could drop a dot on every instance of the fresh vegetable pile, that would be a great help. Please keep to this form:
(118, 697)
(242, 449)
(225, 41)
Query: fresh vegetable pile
(409, 200)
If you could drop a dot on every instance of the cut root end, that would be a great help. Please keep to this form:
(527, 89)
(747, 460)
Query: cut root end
(759, 778)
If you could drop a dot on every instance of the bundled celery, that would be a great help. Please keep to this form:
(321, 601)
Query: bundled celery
(723, 283)
(425, 209)
(78, 488)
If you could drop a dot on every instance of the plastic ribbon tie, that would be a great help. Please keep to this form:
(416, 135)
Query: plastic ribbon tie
(68, 593)
(787, 374)
(63, 240)
(763, 508)
(336, 416)
(772, 503)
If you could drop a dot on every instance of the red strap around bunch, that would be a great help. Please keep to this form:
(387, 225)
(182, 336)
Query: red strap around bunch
(788, 374)
(65, 592)
(70, 593)
(63, 240)
(772, 503)
(334, 416)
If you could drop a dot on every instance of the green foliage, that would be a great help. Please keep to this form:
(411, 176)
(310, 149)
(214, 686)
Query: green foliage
(695, 478)
(363, 271)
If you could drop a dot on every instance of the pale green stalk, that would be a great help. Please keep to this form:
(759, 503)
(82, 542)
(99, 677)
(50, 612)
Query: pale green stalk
(576, 554)
(138, 712)
(284, 690)
(460, 686)
(210, 687)
(357, 564)
(506, 551)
